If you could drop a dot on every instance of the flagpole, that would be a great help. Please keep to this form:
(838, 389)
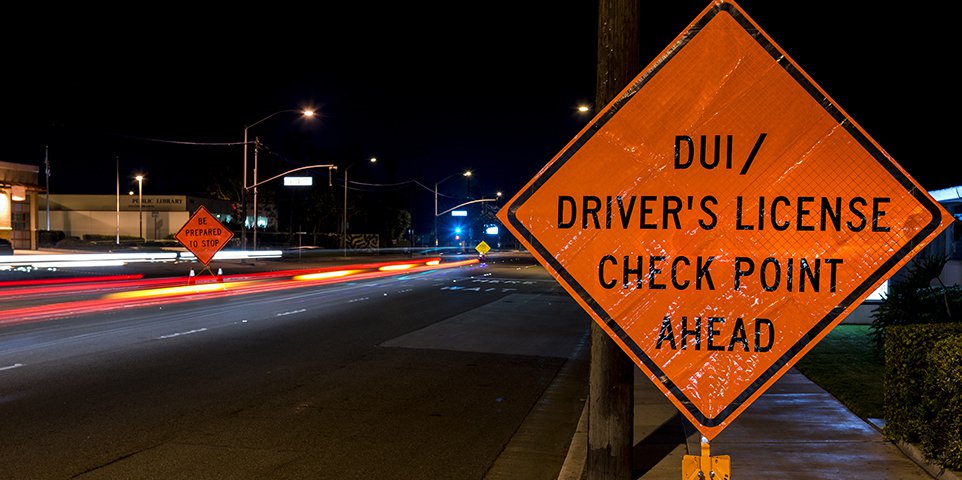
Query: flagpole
(46, 163)
(118, 198)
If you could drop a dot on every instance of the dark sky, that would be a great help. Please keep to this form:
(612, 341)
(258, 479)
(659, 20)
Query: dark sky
(430, 88)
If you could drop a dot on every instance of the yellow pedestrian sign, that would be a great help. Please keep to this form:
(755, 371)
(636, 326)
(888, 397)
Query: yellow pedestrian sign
(483, 248)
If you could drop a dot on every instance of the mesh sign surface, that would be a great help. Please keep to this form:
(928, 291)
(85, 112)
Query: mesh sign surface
(721, 216)
(203, 235)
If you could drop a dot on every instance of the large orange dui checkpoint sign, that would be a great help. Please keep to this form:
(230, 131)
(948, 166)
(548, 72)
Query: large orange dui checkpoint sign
(721, 216)
(203, 235)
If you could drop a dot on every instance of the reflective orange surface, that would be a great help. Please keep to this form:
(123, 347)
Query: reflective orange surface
(721, 216)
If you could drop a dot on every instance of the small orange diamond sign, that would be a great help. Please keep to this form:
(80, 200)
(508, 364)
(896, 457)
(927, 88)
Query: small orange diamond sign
(721, 216)
(203, 235)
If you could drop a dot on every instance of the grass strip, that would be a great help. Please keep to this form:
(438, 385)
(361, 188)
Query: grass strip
(845, 364)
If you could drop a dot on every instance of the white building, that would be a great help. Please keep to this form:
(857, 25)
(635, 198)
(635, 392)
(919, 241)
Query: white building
(160, 216)
(949, 244)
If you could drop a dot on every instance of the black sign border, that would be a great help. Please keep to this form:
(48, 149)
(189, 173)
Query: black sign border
(196, 212)
(796, 73)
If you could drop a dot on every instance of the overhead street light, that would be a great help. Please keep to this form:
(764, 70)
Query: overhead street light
(283, 174)
(466, 173)
(344, 221)
(306, 113)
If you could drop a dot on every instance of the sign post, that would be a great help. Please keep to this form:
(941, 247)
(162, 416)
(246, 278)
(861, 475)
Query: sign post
(203, 235)
(720, 216)
(611, 373)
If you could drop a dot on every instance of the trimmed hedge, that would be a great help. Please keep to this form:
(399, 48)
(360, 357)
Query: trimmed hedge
(49, 238)
(913, 399)
(93, 237)
(943, 441)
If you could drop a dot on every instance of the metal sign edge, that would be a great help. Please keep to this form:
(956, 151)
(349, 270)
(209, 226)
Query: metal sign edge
(791, 355)
(196, 212)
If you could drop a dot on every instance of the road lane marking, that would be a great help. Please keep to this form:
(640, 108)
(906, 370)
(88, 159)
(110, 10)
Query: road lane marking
(11, 367)
(292, 312)
(358, 299)
(172, 335)
(509, 281)
(458, 288)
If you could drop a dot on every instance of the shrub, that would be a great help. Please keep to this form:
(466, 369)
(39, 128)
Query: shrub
(93, 237)
(907, 347)
(912, 300)
(942, 440)
(49, 238)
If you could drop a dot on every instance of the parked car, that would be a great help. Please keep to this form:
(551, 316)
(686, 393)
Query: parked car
(6, 248)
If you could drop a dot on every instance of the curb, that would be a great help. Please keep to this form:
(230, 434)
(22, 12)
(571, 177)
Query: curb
(574, 464)
(916, 455)
(528, 454)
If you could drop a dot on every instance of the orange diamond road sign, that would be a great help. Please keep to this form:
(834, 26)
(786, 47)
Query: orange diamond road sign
(203, 235)
(720, 216)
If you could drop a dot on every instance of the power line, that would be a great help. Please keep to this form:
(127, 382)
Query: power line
(402, 183)
(181, 142)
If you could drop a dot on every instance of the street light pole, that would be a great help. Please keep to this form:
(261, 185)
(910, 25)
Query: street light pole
(344, 219)
(244, 198)
(306, 113)
(497, 206)
(140, 203)
(466, 173)
(256, 147)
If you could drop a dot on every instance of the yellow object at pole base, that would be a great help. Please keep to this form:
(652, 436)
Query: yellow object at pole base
(705, 466)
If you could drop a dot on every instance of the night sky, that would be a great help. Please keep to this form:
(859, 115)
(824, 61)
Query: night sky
(428, 88)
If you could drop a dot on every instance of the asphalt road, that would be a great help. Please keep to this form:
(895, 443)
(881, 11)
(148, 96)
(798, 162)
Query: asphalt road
(366, 379)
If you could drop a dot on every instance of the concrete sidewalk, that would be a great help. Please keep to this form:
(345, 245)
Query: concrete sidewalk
(795, 431)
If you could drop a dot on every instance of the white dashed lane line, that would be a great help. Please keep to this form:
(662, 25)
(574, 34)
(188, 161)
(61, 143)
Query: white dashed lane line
(11, 367)
(178, 334)
(292, 312)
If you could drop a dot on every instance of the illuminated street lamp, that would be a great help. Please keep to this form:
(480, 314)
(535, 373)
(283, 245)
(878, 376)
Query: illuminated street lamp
(466, 173)
(140, 203)
(307, 113)
(344, 222)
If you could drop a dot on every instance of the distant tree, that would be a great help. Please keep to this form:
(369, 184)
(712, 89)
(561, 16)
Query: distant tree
(913, 299)
(398, 223)
(225, 185)
(320, 207)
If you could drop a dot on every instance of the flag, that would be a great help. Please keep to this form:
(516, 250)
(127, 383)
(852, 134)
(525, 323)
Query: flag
(46, 160)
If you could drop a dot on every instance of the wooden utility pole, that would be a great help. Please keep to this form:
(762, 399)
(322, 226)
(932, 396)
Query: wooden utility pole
(611, 386)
